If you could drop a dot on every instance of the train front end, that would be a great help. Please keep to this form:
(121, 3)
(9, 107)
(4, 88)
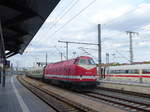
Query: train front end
(86, 71)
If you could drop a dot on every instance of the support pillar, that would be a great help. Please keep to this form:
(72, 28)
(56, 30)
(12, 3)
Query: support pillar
(99, 51)
(2, 55)
(0, 75)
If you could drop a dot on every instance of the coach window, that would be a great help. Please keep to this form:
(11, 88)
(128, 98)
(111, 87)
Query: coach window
(113, 71)
(146, 71)
(119, 71)
(137, 71)
(134, 71)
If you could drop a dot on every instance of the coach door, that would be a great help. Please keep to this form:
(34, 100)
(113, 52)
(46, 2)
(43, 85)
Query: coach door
(102, 73)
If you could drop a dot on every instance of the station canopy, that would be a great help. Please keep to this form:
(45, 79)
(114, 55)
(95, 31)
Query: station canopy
(20, 20)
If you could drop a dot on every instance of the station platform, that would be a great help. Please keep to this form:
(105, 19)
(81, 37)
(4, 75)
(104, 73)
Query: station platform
(16, 98)
(126, 85)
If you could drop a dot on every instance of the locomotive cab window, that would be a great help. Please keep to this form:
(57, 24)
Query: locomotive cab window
(86, 61)
(82, 61)
(91, 62)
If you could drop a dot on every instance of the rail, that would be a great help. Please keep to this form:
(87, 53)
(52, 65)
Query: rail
(58, 103)
(127, 103)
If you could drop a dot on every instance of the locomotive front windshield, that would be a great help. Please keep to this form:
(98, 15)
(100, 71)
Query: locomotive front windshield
(87, 61)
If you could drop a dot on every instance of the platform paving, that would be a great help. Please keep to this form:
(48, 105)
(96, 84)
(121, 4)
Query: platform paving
(16, 98)
(126, 85)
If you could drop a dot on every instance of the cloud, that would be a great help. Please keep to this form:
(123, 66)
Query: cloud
(132, 20)
(84, 29)
(105, 16)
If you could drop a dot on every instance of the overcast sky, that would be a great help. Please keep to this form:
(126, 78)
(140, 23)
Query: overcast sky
(76, 20)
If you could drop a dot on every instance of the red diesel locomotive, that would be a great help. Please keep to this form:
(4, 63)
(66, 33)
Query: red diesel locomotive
(80, 72)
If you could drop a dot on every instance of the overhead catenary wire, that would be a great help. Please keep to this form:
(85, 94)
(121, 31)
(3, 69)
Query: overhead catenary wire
(72, 5)
(72, 18)
(85, 9)
(88, 7)
(86, 52)
(111, 21)
(121, 55)
(79, 14)
(61, 52)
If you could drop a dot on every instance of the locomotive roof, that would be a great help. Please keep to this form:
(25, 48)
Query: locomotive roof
(130, 67)
(80, 57)
(84, 57)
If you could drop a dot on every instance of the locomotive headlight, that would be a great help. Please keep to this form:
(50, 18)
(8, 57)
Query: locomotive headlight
(80, 77)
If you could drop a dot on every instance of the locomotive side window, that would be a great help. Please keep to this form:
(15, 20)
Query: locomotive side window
(76, 61)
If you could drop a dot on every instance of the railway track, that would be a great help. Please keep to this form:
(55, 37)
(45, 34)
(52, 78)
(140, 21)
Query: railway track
(146, 96)
(130, 104)
(117, 99)
(56, 102)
